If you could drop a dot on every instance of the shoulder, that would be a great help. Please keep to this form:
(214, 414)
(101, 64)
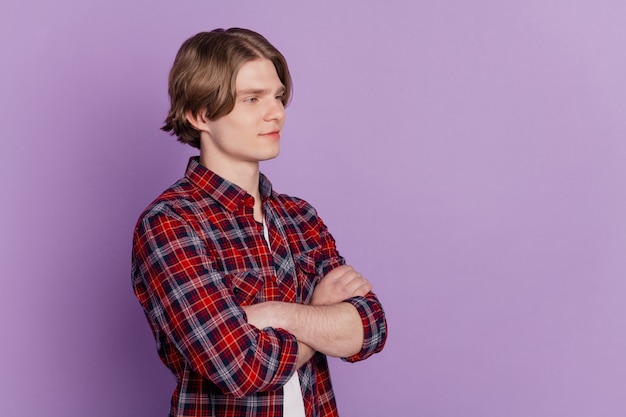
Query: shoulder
(295, 206)
(177, 201)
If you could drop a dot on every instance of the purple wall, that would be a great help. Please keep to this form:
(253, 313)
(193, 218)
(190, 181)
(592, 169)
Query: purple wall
(468, 156)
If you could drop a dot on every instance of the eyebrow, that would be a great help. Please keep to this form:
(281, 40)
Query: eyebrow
(259, 91)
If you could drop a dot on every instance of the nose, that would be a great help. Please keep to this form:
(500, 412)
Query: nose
(275, 111)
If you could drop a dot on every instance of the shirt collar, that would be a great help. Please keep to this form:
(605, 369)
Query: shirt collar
(221, 190)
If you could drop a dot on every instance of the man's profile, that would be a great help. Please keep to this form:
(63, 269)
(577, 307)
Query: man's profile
(243, 287)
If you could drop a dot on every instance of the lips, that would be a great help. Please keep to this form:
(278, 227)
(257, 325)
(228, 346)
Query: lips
(273, 134)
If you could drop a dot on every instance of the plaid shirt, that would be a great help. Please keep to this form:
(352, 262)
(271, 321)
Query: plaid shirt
(198, 256)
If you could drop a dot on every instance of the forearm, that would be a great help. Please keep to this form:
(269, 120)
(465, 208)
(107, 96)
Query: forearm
(305, 353)
(335, 330)
(267, 315)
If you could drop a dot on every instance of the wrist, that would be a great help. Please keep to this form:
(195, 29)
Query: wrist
(288, 316)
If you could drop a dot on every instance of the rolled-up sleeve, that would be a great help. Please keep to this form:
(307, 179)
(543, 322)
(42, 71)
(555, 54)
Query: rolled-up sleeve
(374, 326)
(192, 310)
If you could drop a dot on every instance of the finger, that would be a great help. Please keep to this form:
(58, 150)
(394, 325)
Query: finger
(347, 276)
(339, 272)
(357, 284)
(363, 290)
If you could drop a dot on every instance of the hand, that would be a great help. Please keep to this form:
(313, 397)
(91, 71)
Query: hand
(267, 314)
(262, 315)
(340, 284)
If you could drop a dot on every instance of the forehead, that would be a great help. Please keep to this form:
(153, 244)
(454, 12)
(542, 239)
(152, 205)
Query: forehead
(258, 74)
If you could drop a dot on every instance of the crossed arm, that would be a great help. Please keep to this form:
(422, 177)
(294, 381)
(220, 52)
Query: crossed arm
(243, 349)
(328, 325)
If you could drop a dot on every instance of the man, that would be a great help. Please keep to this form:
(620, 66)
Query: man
(243, 288)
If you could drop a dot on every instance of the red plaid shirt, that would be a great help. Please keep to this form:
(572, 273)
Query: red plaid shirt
(198, 256)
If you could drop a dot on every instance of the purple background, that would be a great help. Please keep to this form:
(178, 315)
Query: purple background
(469, 157)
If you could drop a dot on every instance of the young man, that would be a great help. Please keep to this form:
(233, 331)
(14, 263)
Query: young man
(243, 287)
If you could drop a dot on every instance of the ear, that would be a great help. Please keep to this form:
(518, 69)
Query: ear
(199, 120)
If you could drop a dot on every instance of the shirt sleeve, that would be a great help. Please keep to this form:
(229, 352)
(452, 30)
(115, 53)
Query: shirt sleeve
(191, 304)
(369, 307)
(374, 326)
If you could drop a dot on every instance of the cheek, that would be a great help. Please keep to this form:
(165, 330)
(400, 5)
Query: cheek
(246, 122)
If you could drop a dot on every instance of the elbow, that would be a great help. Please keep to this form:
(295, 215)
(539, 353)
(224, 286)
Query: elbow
(242, 378)
(372, 344)
(265, 364)
(376, 336)
(374, 330)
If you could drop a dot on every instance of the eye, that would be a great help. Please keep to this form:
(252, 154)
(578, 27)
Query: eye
(250, 100)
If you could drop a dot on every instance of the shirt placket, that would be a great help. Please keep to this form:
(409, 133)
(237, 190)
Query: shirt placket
(284, 266)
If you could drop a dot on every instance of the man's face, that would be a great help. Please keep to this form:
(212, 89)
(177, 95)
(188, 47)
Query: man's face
(251, 131)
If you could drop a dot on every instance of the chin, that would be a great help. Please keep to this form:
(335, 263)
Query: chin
(270, 157)
(270, 154)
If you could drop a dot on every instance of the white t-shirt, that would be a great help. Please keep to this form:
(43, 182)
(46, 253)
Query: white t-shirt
(293, 403)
